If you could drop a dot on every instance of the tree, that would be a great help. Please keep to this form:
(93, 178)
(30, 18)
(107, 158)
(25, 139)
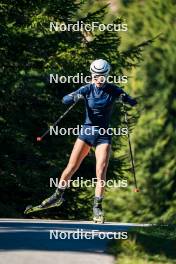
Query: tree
(154, 135)
(29, 103)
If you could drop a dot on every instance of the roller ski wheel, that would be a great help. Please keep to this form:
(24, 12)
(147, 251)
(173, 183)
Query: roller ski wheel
(28, 208)
(99, 219)
(31, 209)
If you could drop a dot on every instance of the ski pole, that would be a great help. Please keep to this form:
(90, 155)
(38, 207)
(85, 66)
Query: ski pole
(56, 122)
(130, 148)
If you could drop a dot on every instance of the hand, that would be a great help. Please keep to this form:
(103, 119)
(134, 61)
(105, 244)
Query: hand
(121, 97)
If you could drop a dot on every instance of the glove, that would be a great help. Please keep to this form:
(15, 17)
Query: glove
(124, 98)
(77, 97)
(121, 97)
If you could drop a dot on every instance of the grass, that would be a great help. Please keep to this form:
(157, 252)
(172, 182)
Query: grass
(147, 245)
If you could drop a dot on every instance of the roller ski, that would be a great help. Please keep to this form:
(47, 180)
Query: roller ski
(53, 201)
(98, 215)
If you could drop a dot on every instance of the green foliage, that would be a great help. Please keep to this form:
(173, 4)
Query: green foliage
(154, 135)
(29, 103)
(155, 244)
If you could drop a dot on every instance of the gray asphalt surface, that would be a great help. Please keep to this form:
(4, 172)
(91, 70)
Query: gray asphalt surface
(29, 241)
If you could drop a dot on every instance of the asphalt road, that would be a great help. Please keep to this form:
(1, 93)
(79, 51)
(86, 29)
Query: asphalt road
(29, 241)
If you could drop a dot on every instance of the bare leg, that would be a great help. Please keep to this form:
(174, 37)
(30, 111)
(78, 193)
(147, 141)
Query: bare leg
(79, 152)
(102, 154)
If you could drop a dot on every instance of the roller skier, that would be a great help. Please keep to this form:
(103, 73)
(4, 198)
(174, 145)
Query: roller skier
(99, 97)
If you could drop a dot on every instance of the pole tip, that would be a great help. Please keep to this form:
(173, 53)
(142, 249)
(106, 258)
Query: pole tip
(136, 190)
(39, 139)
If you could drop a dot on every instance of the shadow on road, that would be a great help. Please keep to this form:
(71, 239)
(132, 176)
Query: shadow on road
(36, 236)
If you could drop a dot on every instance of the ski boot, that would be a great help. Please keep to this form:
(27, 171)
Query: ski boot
(98, 216)
(53, 201)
